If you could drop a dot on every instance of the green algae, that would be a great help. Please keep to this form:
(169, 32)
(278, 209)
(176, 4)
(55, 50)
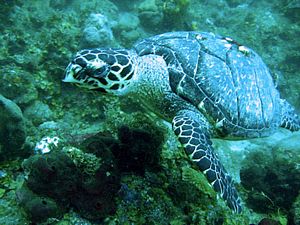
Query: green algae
(10, 212)
(86, 162)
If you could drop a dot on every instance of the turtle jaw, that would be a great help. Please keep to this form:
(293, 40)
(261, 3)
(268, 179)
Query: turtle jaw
(70, 72)
(78, 75)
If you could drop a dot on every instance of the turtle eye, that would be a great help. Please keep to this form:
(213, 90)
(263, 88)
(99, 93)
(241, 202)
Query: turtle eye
(103, 71)
(81, 62)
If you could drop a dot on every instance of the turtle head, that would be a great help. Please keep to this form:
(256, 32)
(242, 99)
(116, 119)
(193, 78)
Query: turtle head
(104, 70)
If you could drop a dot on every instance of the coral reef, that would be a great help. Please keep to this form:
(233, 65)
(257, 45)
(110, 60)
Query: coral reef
(150, 14)
(11, 178)
(273, 177)
(267, 221)
(139, 149)
(128, 29)
(17, 85)
(38, 112)
(38, 208)
(174, 12)
(85, 162)
(138, 195)
(292, 9)
(46, 145)
(12, 130)
(67, 178)
(97, 32)
(295, 212)
(87, 182)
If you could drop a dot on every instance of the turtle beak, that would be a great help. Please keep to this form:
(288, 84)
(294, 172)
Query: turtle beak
(70, 72)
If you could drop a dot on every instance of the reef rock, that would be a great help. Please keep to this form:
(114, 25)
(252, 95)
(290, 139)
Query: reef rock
(97, 31)
(37, 208)
(150, 14)
(73, 179)
(295, 212)
(12, 128)
(272, 176)
(38, 112)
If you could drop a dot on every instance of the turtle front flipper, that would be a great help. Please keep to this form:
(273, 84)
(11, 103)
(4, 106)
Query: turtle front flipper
(191, 130)
(289, 118)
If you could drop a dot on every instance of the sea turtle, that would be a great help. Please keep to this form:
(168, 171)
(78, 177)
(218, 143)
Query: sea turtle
(206, 85)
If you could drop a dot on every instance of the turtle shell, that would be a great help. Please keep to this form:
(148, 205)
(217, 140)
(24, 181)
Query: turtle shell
(228, 82)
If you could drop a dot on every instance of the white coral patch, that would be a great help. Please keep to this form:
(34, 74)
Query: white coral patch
(46, 145)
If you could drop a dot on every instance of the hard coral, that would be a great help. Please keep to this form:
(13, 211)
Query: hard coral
(139, 150)
(88, 163)
(54, 175)
(273, 178)
(37, 208)
(66, 180)
(136, 149)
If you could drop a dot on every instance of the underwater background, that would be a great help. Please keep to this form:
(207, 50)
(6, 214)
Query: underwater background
(68, 156)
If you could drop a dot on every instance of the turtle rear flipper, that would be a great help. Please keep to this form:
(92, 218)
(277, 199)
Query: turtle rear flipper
(289, 119)
(192, 132)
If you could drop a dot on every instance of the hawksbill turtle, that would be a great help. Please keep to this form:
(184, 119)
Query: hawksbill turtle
(206, 85)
